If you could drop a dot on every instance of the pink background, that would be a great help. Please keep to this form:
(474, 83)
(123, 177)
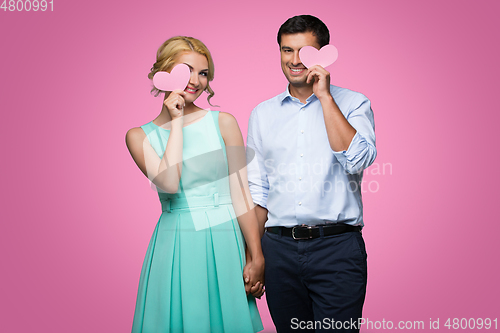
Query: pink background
(77, 214)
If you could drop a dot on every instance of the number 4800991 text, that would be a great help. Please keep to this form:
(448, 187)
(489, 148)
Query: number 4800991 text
(27, 5)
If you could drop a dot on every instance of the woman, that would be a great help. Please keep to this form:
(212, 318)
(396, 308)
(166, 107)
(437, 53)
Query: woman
(191, 279)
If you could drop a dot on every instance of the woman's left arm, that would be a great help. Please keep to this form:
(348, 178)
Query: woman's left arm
(242, 199)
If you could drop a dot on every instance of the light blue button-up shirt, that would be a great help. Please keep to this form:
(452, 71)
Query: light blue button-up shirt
(292, 170)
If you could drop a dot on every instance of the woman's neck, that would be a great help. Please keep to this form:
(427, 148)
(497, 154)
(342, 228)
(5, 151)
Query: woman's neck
(164, 116)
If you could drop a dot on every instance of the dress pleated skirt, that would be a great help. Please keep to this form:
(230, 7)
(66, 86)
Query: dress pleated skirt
(192, 276)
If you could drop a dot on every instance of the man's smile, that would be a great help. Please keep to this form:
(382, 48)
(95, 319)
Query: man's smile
(296, 71)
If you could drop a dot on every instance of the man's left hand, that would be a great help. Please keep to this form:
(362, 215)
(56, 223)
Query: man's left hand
(321, 84)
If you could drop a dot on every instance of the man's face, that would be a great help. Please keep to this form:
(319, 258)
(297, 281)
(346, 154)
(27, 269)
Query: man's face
(291, 44)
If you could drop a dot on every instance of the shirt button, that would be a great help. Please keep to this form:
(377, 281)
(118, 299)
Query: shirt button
(302, 131)
(300, 178)
(301, 155)
(300, 203)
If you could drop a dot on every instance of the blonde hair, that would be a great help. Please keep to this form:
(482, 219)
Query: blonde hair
(169, 51)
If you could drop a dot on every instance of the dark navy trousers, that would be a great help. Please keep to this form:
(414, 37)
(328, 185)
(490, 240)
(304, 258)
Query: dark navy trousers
(315, 282)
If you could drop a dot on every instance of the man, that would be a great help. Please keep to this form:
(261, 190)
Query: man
(311, 145)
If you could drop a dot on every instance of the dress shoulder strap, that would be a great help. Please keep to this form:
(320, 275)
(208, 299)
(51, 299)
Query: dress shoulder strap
(148, 128)
(215, 116)
(155, 138)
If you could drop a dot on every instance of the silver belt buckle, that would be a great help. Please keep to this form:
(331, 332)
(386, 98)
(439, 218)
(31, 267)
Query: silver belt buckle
(302, 226)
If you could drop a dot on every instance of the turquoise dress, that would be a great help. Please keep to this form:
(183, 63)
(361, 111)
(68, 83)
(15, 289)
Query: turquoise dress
(192, 275)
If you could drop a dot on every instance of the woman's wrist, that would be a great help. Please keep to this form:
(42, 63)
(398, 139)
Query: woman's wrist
(177, 122)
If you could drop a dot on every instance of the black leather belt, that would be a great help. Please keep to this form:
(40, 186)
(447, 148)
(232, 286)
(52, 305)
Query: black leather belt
(313, 231)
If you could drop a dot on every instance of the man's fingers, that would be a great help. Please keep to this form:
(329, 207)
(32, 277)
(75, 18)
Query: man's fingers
(318, 68)
(255, 287)
(259, 292)
(309, 76)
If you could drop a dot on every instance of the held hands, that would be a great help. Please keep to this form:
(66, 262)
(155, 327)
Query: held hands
(321, 81)
(175, 103)
(253, 275)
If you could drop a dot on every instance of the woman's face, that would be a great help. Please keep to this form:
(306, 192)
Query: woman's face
(198, 66)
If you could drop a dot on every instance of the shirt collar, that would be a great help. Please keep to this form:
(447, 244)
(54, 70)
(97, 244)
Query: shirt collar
(283, 96)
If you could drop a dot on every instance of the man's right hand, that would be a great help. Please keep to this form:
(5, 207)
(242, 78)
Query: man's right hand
(253, 275)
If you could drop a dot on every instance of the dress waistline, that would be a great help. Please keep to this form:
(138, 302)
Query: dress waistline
(214, 200)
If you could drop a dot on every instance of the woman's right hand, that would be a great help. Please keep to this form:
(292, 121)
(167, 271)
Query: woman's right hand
(175, 104)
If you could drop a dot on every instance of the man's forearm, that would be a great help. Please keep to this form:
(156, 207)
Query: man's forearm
(261, 213)
(338, 129)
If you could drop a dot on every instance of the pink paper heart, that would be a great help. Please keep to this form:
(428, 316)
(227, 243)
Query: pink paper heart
(177, 79)
(324, 57)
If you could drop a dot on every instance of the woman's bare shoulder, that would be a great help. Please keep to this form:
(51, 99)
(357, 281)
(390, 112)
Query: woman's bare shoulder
(227, 120)
(229, 129)
(134, 136)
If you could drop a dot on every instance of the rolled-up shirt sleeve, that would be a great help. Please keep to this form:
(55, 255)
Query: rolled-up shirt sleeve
(362, 151)
(257, 177)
